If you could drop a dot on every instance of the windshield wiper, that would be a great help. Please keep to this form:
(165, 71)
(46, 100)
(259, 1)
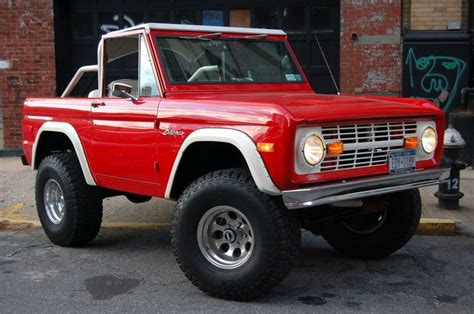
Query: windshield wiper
(255, 36)
(203, 37)
(210, 36)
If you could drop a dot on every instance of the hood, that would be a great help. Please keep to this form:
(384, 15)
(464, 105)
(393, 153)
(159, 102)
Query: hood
(308, 107)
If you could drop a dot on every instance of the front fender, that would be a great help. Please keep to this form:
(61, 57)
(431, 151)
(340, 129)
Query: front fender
(242, 142)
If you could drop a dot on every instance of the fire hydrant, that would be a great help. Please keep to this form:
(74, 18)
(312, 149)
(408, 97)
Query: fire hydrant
(449, 191)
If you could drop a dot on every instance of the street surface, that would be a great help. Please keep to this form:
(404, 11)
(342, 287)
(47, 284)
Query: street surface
(132, 268)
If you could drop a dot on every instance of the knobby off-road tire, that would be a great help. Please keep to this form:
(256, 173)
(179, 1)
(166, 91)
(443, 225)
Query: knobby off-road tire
(402, 215)
(74, 214)
(224, 198)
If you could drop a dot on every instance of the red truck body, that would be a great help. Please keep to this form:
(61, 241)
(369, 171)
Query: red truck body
(266, 112)
(250, 162)
(109, 133)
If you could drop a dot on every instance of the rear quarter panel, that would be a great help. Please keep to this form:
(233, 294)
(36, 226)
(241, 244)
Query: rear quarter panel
(37, 111)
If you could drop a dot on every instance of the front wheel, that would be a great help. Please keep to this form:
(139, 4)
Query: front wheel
(231, 240)
(380, 233)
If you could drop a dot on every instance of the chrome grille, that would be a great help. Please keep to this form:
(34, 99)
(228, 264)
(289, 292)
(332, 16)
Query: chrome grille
(365, 144)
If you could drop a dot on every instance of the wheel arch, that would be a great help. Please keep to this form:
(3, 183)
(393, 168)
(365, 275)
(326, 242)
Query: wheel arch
(64, 131)
(235, 141)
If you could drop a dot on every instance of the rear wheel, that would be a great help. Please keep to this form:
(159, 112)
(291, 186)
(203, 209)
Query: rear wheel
(377, 234)
(231, 240)
(70, 211)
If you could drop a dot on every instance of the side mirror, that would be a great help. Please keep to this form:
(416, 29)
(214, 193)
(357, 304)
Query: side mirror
(123, 91)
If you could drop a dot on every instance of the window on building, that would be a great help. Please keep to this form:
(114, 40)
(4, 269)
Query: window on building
(322, 19)
(239, 18)
(213, 17)
(266, 17)
(186, 17)
(109, 22)
(159, 17)
(294, 19)
(83, 25)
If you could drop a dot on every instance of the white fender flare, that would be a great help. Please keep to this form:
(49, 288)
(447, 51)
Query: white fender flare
(242, 142)
(68, 130)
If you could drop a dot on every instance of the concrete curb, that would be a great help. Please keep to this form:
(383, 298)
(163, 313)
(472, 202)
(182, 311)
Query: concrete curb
(16, 224)
(437, 226)
(427, 226)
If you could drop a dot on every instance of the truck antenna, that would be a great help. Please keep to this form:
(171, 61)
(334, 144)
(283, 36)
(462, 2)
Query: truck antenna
(327, 63)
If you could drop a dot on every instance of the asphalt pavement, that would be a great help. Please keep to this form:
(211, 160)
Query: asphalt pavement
(130, 267)
(130, 270)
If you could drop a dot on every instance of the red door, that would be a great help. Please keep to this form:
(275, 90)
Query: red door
(124, 141)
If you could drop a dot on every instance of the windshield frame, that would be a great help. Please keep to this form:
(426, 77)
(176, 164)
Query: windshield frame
(240, 85)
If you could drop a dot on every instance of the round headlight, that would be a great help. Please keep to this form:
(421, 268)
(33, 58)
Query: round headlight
(429, 140)
(313, 150)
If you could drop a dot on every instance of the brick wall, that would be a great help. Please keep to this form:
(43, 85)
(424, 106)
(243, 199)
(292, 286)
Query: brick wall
(27, 66)
(436, 14)
(370, 46)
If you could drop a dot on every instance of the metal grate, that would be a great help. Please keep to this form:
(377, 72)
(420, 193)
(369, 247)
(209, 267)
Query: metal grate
(366, 144)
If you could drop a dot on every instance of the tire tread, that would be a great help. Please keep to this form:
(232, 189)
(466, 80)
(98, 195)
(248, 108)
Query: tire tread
(287, 239)
(86, 205)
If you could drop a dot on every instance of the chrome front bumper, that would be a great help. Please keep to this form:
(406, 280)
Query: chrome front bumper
(360, 188)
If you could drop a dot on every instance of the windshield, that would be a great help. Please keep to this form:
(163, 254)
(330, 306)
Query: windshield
(206, 61)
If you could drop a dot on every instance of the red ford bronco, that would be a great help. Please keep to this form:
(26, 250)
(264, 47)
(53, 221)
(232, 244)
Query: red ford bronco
(224, 121)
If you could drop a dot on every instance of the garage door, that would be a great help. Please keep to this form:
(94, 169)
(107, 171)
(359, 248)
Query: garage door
(80, 23)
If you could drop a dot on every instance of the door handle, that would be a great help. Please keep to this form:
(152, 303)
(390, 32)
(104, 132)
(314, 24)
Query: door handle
(96, 104)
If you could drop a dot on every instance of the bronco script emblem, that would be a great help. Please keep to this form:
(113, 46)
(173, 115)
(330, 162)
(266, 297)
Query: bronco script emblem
(170, 131)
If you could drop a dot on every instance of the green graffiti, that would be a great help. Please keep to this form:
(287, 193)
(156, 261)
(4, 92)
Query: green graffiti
(436, 74)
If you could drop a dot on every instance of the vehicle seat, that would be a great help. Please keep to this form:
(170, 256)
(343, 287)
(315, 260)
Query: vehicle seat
(94, 94)
(132, 83)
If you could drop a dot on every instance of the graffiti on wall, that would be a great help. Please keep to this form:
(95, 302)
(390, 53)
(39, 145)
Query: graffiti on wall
(435, 77)
(127, 21)
(28, 19)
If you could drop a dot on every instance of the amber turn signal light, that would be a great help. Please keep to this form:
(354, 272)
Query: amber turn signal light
(410, 142)
(335, 148)
(266, 147)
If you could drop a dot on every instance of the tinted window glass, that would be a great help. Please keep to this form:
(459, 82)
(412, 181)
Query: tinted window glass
(186, 17)
(266, 18)
(121, 63)
(147, 82)
(213, 17)
(205, 60)
(294, 19)
(322, 18)
(239, 18)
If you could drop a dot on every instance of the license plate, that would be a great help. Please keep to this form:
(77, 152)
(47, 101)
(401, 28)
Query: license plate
(401, 161)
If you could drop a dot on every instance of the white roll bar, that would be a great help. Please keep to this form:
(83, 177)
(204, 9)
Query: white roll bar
(77, 77)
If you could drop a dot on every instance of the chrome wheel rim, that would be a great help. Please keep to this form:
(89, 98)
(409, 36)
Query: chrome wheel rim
(225, 237)
(54, 201)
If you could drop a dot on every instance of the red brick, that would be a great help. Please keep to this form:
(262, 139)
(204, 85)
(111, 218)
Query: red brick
(369, 68)
(22, 45)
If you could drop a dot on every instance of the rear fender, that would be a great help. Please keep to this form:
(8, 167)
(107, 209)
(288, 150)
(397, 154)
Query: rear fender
(68, 130)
